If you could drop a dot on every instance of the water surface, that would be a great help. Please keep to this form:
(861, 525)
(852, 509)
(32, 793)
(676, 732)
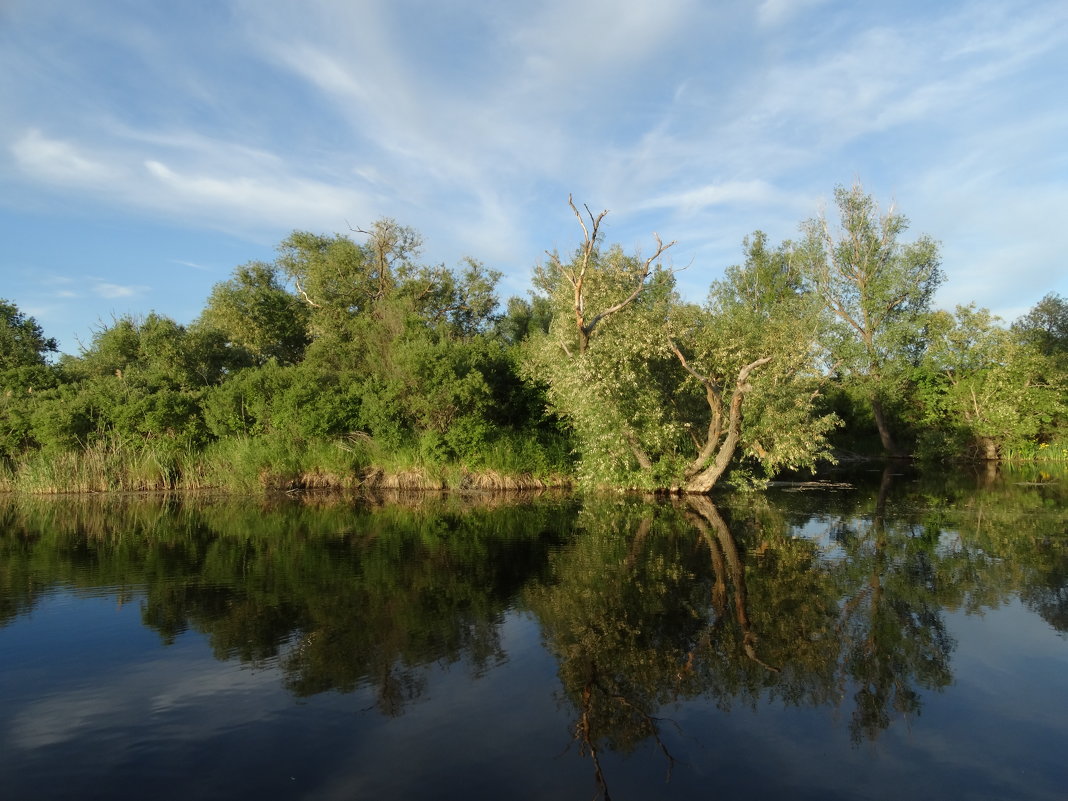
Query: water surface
(903, 638)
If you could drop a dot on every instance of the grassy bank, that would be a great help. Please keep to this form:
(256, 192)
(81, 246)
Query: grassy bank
(249, 465)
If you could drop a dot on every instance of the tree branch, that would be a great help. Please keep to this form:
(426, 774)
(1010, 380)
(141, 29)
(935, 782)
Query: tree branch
(300, 289)
(703, 481)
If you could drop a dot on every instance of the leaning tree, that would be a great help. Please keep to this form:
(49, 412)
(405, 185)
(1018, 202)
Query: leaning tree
(654, 388)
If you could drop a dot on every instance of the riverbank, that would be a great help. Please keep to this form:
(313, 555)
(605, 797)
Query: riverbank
(252, 466)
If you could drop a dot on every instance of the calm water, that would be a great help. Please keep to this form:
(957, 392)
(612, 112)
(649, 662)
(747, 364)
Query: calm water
(902, 639)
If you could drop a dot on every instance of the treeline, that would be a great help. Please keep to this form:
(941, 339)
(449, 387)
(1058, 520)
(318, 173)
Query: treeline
(348, 361)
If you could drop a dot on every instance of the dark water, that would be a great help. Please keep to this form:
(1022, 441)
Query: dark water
(902, 639)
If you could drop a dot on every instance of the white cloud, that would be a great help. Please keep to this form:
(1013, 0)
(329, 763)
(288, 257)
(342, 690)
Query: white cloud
(282, 201)
(191, 264)
(565, 49)
(245, 195)
(322, 70)
(777, 12)
(722, 194)
(105, 289)
(57, 161)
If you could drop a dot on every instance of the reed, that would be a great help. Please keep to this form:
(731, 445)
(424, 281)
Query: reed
(255, 465)
(1042, 452)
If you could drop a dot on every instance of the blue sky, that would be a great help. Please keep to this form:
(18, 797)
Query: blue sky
(147, 148)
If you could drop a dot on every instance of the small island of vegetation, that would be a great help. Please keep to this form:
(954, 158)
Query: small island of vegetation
(347, 362)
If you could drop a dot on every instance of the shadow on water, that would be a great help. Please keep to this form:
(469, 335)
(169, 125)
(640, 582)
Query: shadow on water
(807, 599)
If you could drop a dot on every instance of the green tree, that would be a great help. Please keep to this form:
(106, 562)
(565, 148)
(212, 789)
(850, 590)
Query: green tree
(757, 309)
(461, 303)
(523, 317)
(22, 340)
(154, 351)
(341, 280)
(140, 379)
(256, 313)
(604, 359)
(1046, 326)
(982, 389)
(24, 375)
(878, 288)
(654, 388)
(409, 345)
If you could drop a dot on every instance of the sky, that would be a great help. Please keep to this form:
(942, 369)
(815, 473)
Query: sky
(148, 148)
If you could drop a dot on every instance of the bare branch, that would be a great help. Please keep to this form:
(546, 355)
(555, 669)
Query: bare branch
(642, 277)
(300, 289)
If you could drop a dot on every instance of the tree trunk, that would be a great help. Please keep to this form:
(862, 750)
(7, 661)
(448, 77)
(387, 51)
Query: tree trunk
(704, 481)
(989, 449)
(705, 515)
(644, 462)
(884, 430)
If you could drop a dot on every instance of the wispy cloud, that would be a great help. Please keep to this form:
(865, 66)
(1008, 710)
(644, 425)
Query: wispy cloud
(108, 290)
(778, 12)
(243, 197)
(191, 264)
(57, 161)
(730, 192)
(472, 122)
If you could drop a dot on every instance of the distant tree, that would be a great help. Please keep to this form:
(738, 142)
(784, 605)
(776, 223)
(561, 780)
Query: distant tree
(462, 303)
(981, 388)
(523, 317)
(155, 351)
(22, 341)
(1046, 325)
(341, 280)
(878, 288)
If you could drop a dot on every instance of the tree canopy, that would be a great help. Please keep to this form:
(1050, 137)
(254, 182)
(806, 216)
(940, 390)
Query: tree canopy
(22, 341)
(347, 356)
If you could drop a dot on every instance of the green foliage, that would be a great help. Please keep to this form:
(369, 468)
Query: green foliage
(155, 351)
(77, 414)
(20, 391)
(22, 341)
(877, 288)
(341, 280)
(255, 312)
(354, 346)
(298, 402)
(1046, 327)
(613, 393)
(983, 390)
(65, 419)
(761, 309)
(461, 304)
(524, 317)
(654, 392)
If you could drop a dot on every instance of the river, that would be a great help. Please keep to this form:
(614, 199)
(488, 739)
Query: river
(882, 635)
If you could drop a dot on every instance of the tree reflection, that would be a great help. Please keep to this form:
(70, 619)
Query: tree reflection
(341, 597)
(893, 635)
(656, 604)
(800, 599)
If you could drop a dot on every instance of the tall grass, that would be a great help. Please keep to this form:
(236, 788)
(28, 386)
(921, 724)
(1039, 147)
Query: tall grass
(246, 464)
(252, 465)
(104, 466)
(1042, 452)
